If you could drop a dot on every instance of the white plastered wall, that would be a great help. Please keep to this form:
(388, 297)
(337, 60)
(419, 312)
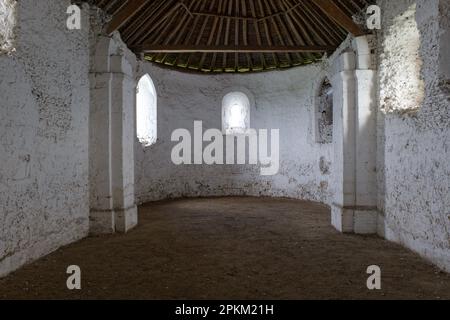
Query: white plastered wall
(414, 130)
(281, 100)
(44, 109)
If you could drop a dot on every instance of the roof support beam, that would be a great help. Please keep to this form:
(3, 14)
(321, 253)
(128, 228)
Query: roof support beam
(228, 49)
(125, 14)
(333, 11)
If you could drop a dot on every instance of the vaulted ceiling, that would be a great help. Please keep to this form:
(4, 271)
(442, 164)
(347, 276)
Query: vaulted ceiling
(233, 35)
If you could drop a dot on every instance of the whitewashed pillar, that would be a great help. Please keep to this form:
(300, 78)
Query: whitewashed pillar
(354, 208)
(344, 88)
(366, 212)
(111, 150)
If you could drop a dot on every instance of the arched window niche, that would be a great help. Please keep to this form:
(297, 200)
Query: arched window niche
(146, 111)
(324, 112)
(235, 113)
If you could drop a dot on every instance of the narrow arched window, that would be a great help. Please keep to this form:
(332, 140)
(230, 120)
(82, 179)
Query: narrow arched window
(235, 113)
(324, 109)
(146, 111)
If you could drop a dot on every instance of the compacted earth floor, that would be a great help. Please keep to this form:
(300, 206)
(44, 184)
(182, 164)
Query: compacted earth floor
(230, 248)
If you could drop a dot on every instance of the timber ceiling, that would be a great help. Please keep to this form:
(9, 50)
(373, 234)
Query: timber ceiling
(233, 35)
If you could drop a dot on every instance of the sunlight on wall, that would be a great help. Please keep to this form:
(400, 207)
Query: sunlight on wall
(404, 87)
(146, 111)
(7, 25)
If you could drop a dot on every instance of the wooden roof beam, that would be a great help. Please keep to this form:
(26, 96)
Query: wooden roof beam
(334, 12)
(125, 14)
(149, 48)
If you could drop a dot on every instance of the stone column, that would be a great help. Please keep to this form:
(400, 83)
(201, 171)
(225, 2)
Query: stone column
(113, 207)
(100, 166)
(366, 213)
(354, 208)
(343, 82)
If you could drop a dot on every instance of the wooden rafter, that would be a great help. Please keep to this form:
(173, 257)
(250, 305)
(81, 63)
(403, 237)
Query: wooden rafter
(128, 11)
(233, 35)
(229, 49)
(332, 10)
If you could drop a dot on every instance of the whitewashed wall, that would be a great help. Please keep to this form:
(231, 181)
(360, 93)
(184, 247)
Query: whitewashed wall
(44, 125)
(44, 103)
(283, 100)
(414, 145)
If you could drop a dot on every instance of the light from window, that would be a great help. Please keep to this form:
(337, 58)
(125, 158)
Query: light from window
(7, 25)
(403, 71)
(235, 113)
(146, 111)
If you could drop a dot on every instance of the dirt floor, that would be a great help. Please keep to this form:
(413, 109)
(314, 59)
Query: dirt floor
(230, 248)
